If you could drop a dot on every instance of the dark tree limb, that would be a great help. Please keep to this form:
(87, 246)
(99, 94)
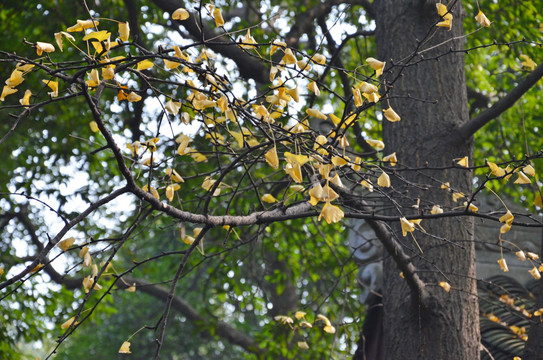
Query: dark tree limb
(471, 127)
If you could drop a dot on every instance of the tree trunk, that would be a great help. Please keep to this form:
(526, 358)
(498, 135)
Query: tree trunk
(432, 101)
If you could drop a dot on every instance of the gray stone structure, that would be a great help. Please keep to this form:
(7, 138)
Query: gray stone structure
(368, 251)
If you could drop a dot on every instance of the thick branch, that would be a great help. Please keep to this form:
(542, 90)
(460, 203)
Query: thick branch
(52, 242)
(222, 329)
(472, 126)
(394, 249)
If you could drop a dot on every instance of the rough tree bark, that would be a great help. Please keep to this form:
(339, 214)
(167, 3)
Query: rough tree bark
(445, 325)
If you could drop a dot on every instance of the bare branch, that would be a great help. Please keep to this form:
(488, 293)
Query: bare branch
(471, 127)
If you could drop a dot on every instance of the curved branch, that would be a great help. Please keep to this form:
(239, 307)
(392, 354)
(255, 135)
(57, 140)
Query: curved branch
(222, 329)
(61, 233)
(394, 249)
(472, 126)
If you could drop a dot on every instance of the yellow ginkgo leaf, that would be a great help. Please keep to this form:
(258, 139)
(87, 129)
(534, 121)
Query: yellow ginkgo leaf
(294, 171)
(180, 14)
(319, 59)
(94, 78)
(299, 314)
(391, 115)
(198, 157)
(144, 65)
(457, 196)
(527, 62)
(43, 47)
(471, 207)
(436, 209)
(522, 179)
(94, 126)
(269, 198)
(83, 25)
(336, 180)
(131, 288)
(372, 98)
(304, 66)
(315, 194)
(407, 226)
(503, 265)
(314, 88)
(295, 93)
(171, 189)
(172, 107)
(188, 240)
(535, 273)
(174, 175)
(277, 44)
(392, 159)
(521, 255)
(271, 158)
(357, 96)
(124, 31)
(171, 64)
(217, 14)
(367, 88)
(537, 200)
(482, 19)
(15, 78)
(315, 113)
(53, 85)
(24, 67)
(463, 162)
(329, 329)
(125, 348)
(507, 217)
(505, 228)
(153, 191)
(26, 98)
(376, 144)
(108, 72)
(376, 65)
(68, 323)
(97, 35)
(302, 345)
(446, 15)
(296, 159)
(7, 91)
(331, 213)
(288, 58)
(356, 164)
(59, 36)
(66, 243)
(339, 161)
(383, 180)
(133, 97)
(367, 185)
(445, 285)
(495, 169)
(529, 170)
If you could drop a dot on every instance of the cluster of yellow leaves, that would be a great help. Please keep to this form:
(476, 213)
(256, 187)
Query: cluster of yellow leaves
(187, 239)
(16, 78)
(446, 16)
(300, 316)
